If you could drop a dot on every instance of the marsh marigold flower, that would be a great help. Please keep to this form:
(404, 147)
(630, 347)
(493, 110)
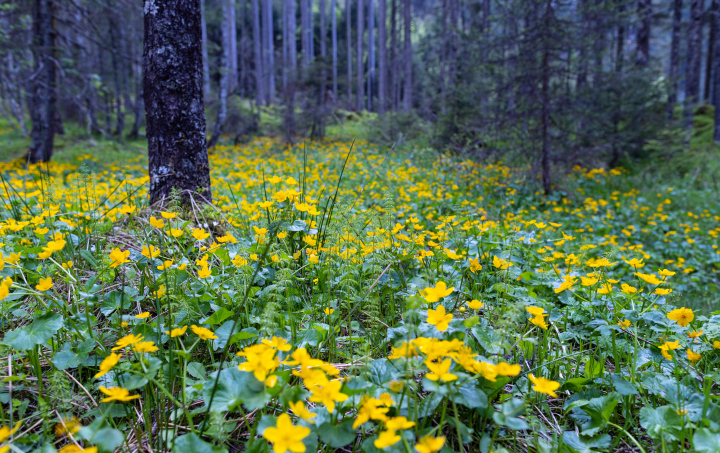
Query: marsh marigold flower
(430, 444)
(438, 292)
(107, 364)
(386, 439)
(501, 264)
(117, 394)
(44, 284)
(119, 257)
(203, 333)
(545, 386)
(668, 346)
(692, 356)
(683, 316)
(439, 318)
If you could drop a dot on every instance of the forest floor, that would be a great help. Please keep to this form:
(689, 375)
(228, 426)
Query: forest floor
(342, 295)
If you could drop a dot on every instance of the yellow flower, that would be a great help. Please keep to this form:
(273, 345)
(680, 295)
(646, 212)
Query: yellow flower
(119, 257)
(568, 282)
(157, 223)
(535, 311)
(40, 231)
(599, 262)
(539, 321)
(174, 232)
(545, 386)
(200, 234)
(627, 289)
(625, 323)
(117, 394)
(649, 278)
(285, 436)
(329, 311)
(386, 439)
(692, 356)
(168, 215)
(397, 386)
(386, 399)
(127, 340)
(68, 426)
(438, 318)
(107, 364)
(301, 411)
(145, 346)
(438, 292)
(605, 288)
(328, 394)
(227, 238)
(398, 423)
(475, 265)
(636, 263)
(695, 334)
(143, 315)
(67, 265)
(204, 272)
(430, 444)
(150, 252)
(588, 281)
(239, 261)
(370, 410)
(44, 284)
(506, 369)
(203, 333)
(662, 291)
(716, 344)
(165, 265)
(261, 361)
(668, 346)
(683, 316)
(440, 370)
(72, 448)
(282, 235)
(6, 431)
(666, 273)
(500, 263)
(475, 304)
(177, 331)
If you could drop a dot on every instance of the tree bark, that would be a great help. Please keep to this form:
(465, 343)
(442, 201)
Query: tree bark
(382, 56)
(259, 79)
(305, 35)
(348, 42)
(711, 50)
(716, 75)
(407, 98)
(270, 50)
(225, 72)
(545, 120)
(323, 29)
(43, 84)
(674, 67)
(644, 10)
(694, 58)
(333, 11)
(206, 64)
(173, 89)
(360, 89)
(371, 53)
(394, 52)
(292, 31)
(233, 51)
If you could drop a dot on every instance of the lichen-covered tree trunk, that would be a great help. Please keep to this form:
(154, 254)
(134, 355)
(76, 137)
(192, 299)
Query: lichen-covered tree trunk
(43, 84)
(174, 108)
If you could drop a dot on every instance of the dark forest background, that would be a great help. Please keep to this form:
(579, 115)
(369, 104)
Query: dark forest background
(548, 81)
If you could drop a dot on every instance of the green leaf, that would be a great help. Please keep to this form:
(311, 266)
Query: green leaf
(661, 422)
(624, 387)
(510, 413)
(234, 387)
(196, 370)
(89, 258)
(218, 317)
(469, 396)
(191, 443)
(337, 436)
(706, 441)
(583, 444)
(40, 331)
(103, 437)
(600, 410)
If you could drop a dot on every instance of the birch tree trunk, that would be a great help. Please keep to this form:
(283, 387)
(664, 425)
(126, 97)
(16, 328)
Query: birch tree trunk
(173, 87)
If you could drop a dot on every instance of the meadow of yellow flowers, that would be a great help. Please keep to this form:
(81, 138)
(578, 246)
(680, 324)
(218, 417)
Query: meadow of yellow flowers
(343, 297)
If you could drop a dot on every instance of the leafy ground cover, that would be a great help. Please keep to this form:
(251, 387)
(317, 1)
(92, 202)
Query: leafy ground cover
(342, 297)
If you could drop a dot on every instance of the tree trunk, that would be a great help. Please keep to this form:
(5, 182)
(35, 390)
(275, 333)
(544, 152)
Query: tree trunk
(292, 31)
(285, 44)
(206, 64)
(360, 93)
(119, 110)
(270, 49)
(259, 79)
(694, 60)
(394, 52)
(545, 120)
(716, 75)
(382, 56)
(233, 51)
(225, 72)
(407, 98)
(311, 31)
(305, 35)
(323, 30)
(644, 10)
(348, 41)
(371, 53)
(333, 10)
(43, 84)
(674, 67)
(711, 50)
(173, 88)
